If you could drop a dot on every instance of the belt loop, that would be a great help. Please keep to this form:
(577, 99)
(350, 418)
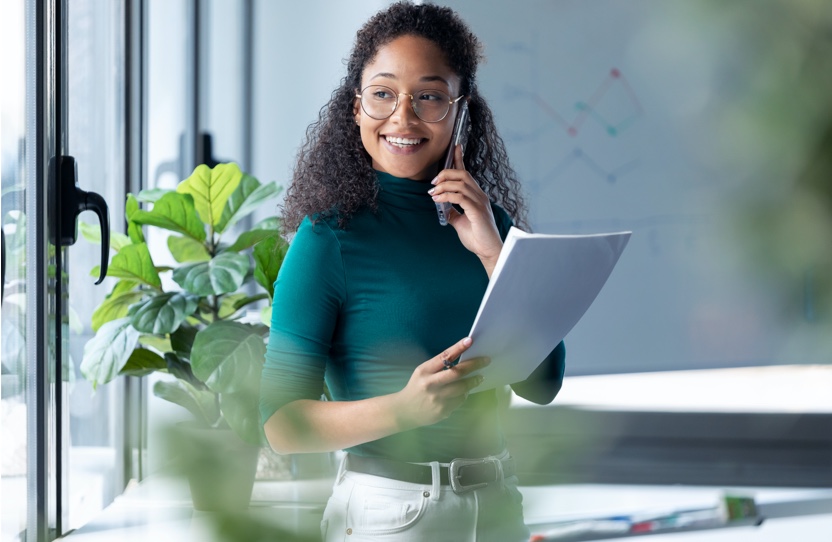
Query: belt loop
(500, 476)
(436, 478)
(342, 469)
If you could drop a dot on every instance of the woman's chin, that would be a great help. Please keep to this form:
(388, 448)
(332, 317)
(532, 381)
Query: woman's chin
(413, 173)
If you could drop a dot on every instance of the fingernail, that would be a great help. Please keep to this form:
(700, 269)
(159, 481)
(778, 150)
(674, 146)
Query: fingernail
(432, 190)
(467, 341)
(434, 198)
(435, 180)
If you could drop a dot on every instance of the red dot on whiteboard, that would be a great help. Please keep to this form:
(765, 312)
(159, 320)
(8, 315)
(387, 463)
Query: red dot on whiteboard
(572, 131)
(615, 73)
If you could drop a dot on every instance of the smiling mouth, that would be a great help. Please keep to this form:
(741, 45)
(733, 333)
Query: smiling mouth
(404, 142)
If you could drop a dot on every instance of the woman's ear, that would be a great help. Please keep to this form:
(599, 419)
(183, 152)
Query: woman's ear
(356, 111)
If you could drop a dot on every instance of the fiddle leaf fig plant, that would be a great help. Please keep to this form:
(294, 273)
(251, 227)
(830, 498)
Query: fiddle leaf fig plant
(191, 325)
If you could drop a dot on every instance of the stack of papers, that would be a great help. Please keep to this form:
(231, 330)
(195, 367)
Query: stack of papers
(541, 286)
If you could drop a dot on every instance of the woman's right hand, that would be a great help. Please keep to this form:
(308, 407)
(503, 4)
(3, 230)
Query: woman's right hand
(436, 389)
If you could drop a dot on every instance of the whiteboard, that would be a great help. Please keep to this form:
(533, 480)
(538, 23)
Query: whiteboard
(607, 110)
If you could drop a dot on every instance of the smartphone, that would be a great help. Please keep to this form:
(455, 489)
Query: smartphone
(458, 137)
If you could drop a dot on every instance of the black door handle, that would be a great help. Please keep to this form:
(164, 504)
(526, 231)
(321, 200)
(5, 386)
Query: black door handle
(68, 201)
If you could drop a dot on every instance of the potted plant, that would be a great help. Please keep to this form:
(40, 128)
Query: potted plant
(192, 325)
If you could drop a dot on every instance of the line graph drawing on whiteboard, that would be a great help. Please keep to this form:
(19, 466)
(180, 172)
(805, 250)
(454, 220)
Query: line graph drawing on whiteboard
(538, 124)
(590, 108)
(577, 155)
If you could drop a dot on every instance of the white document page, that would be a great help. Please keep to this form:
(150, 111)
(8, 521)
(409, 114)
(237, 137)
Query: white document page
(541, 286)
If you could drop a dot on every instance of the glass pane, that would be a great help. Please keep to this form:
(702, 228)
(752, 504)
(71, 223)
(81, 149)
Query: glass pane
(13, 406)
(96, 138)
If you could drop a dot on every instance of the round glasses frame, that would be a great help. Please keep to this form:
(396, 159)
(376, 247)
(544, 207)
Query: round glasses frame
(451, 101)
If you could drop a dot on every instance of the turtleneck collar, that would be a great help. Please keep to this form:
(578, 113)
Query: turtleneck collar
(405, 193)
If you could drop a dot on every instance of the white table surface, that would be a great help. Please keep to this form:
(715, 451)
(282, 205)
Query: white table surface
(159, 509)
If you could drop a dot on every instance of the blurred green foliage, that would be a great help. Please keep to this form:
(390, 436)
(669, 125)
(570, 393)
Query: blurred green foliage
(777, 131)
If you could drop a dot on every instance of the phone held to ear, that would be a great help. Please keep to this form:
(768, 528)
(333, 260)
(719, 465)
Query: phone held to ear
(458, 137)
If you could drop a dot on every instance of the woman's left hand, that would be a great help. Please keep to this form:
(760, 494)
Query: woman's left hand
(476, 227)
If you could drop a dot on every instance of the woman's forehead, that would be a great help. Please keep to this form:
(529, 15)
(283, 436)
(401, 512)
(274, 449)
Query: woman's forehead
(410, 60)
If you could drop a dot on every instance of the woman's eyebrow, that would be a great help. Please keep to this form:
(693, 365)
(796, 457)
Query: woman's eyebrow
(432, 78)
(383, 74)
(424, 79)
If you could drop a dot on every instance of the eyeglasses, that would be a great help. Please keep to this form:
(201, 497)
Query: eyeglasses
(380, 102)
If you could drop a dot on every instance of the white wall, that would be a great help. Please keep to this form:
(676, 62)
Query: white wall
(300, 54)
(650, 155)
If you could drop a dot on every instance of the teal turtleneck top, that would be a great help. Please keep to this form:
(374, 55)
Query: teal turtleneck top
(362, 307)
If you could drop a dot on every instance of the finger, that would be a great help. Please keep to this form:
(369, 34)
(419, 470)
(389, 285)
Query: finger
(462, 387)
(450, 180)
(462, 185)
(453, 197)
(448, 357)
(456, 374)
(464, 198)
(462, 369)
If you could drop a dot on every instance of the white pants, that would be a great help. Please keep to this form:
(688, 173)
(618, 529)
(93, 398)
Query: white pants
(364, 507)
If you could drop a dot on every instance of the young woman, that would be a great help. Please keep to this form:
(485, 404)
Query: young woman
(375, 297)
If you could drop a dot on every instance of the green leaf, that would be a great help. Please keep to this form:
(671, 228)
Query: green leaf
(247, 197)
(134, 262)
(92, 233)
(251, 238)
(266, 315)
(242, 302)
(163, 313)
(211, 189)
(228, 357)
(270, 223)
(142, 362)
(201, 403)
(185, 249)
(181, 369)
(221, 275)
(161, 344)
(228, 305)
(117, 303)
(152, 195)
(241, 412)
(134, 230)
(182, 340)
(175, 212)
(107, 352)
(268, 257)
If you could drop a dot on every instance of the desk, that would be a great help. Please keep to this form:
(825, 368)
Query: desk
(159, 510)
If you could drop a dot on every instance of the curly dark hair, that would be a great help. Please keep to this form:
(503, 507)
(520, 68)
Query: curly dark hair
(334, 176)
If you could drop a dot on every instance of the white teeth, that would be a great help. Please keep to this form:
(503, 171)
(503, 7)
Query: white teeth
(400, 141)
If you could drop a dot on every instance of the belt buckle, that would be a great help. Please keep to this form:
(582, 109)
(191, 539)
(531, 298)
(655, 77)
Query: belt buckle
(457, 465)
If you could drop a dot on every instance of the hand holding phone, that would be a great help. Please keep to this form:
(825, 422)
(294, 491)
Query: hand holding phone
(458, 137)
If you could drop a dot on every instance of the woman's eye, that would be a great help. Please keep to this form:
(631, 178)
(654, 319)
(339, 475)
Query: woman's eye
(430, 96)
(382, 95)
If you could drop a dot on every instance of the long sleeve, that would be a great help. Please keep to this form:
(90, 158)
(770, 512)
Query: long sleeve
(545, 381)
(308, 295)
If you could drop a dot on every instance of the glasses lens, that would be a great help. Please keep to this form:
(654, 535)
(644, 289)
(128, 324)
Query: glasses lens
(379, 102)
(431, 105)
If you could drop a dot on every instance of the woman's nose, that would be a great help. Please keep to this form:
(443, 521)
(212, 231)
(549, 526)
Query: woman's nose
(404, 113)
